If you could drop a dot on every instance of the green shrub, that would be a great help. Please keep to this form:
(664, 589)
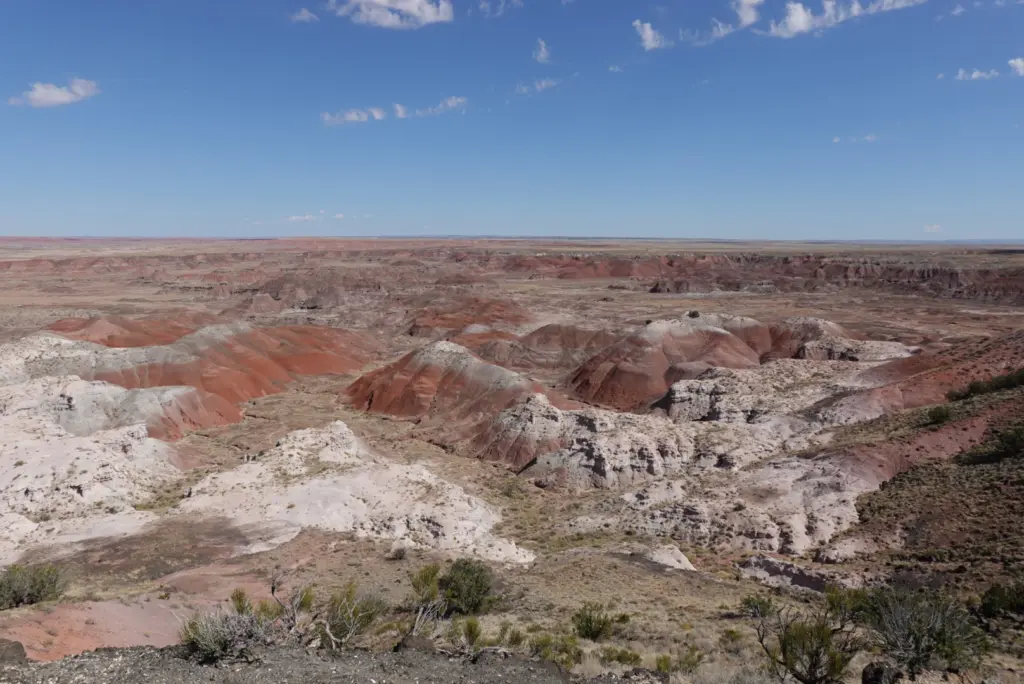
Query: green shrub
(995, 384)
(22, 585)
(663, 663)
(467, 586)
(1000, 599)
(1008, 443)
(515, 638)
(224, 636)
(563, 649)
(812, 649)
(425, 583)
(937, 415)
(922, 631)
(757, 607)
(348, 615)
(592, 622)
(471, 631)
(689, 660)
(623, 656)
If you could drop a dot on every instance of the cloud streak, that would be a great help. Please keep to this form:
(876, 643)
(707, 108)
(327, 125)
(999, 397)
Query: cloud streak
(542, 54)
(358, 116)
(394, 14)
(42, 95)
(976, 75)
(649, 37)
(800, 20)
(304, 16)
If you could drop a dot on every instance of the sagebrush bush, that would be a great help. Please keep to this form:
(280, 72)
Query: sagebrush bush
(347, 615)
(23, 585)
(623, 656)
(425, 583)
(937, 415)
(1002, 599)
(592, 622)
(226, 635)
(922, 631)
(467, 587)
(562, 649)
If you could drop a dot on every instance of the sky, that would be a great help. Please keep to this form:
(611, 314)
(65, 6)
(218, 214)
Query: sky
(732, 119)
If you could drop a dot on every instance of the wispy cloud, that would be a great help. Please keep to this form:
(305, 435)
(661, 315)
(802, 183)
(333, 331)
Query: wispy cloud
(497, 8)
(649, 38)
(339, 217)
(446, 105)
(976, 75)
(800, 20)
(304, 16)
(747, 14)
(869, 138)
(615, 69)
(394, 14)
(50, 95)
(957, 11)
(542, 54)
(933, 228)
(1017, 64)
(303, 218)
(940, 77)
(355, 116)
(538, 86)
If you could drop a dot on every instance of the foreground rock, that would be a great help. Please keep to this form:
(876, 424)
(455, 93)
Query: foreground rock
(166, 666)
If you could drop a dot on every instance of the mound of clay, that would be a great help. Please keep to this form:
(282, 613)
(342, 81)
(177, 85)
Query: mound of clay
(550, 346)
(926, 378)
(447, 386)
(116, 331)
(437, 322)
(226, 364)
(640, 368)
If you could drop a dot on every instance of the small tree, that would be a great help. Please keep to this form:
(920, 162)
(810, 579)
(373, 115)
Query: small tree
(937, 415)
(921, 631)
(467, 586)
(757, 607)
(813, 649)
(348, 615)
(22, 585)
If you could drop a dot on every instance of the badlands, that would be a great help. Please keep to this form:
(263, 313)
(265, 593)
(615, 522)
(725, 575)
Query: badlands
(667, 426)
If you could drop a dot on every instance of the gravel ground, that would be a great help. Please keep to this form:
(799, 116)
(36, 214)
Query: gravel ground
(280, 666)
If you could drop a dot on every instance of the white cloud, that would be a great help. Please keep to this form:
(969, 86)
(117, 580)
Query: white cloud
(933, 228)
(747, 14)
(835, 139)
(1017, 64)
(304, 16)
(542, 54)
(869, 138)
(941, 76)
(957, 11)
(976, 75)
(651, 39)
(303, 218)
(446, 105)
(544, 84)
(799, 19)
(401, 112)
(346, 117)
(615, 69)
(488, 9)
(394, 14)
(377, 113)
(50, 95)
(339, 217)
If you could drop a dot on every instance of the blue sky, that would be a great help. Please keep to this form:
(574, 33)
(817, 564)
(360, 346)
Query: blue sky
(706, 118)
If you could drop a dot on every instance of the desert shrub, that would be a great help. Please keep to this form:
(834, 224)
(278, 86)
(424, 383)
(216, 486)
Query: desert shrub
(623, 656)
(1008, 443)
(718, 673)
(347, 615)
(515, 638)
(1001, 599)
(226, 635)
(562, 649)
(592, 622)
(663, 663)
(757, 607)
(994, 384)
(731, 640)
(467, 586)
(812, 649)
(23, 585)
(937, 415)
(689, 659)
(471, 631)
(240, 602)
(922, 631)
(425, 583)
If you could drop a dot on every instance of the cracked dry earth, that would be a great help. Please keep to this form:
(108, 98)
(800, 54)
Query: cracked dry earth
(661, 425)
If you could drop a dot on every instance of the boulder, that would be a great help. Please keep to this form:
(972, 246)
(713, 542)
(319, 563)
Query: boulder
(12, 652)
